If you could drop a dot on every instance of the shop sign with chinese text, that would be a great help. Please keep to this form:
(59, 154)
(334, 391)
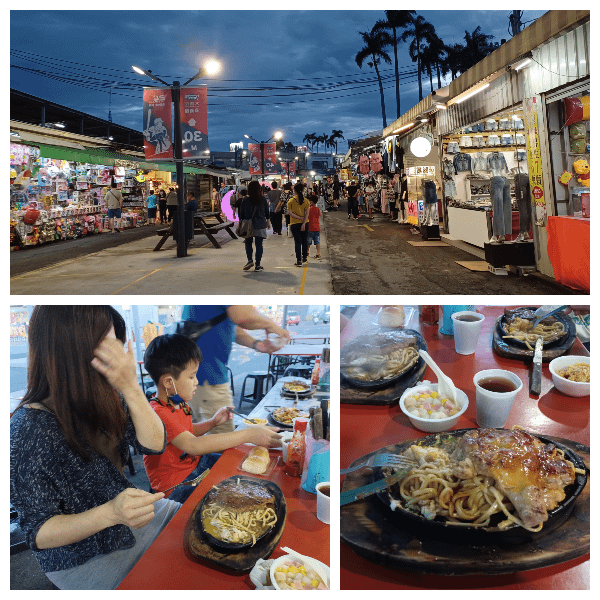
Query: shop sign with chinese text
(194, 123)
(534, 158)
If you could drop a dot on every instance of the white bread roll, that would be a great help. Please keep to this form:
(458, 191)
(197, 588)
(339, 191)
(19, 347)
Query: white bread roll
(260, 451)
(255, 464)
(391, 316)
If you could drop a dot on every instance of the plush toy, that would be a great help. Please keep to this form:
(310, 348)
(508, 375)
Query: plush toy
(582, 168)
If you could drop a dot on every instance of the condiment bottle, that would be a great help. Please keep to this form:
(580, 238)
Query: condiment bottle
(315, 373)
(296, 449)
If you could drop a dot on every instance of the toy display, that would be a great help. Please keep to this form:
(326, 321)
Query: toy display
(582, 168)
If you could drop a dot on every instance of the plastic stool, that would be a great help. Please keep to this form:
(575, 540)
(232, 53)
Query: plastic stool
(258, 392)
(298, 371)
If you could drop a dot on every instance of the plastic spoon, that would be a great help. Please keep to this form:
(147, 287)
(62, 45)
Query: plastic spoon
(446, 387)
(314, 565)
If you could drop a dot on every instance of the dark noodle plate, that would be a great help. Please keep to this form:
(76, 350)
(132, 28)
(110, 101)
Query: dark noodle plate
(446, 531)
(523, 312)
(280, 511)
(372, 343)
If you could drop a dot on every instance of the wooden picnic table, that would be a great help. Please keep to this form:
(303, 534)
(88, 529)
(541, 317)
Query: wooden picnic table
(205, 223)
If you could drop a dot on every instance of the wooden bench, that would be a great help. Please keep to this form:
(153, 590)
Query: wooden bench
(201, 227)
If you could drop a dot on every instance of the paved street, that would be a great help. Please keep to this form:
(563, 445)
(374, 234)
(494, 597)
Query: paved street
(375, 257)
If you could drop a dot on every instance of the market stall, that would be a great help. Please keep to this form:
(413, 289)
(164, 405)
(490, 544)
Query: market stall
(379, 553)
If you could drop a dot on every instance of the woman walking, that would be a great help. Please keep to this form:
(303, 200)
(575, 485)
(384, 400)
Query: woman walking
(162, 206)
(286, 196)
(298, 209)
(256, 207)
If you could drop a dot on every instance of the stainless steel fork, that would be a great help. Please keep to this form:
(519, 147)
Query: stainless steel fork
(382, 460)
(193, 482)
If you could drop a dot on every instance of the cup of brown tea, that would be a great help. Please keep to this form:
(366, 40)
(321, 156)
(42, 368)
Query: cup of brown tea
(466, 325)
(323, 501)
(495, 392)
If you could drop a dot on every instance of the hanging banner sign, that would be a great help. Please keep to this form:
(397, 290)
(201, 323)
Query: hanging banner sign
(289, 168)
(158, 124)
(254, 166)
(194, 125)
(534, 159)
(270, 158)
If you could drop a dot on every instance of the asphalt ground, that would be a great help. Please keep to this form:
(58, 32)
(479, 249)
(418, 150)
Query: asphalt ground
(375, 257)
(125, 263)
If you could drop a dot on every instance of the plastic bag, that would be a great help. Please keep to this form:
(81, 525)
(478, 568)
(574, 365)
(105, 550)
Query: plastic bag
(316, 463)
(259, 575)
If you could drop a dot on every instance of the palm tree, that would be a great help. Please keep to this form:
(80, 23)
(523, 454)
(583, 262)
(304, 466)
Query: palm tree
(375, 43)
(309, 138)
(395, 19)
(454, 59)
(418, 30)
(437, 56)
(335, 134)
(319, 139)
(477, 47)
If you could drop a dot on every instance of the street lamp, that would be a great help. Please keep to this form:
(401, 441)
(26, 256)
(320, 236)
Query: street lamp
(208, 68)
(276, 136)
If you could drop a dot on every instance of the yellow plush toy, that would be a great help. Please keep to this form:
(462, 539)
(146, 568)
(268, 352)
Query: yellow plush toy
(582, 168)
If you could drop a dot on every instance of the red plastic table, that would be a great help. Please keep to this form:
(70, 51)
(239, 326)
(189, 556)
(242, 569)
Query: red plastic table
(364, 429)
(569, 251)
(168, 565)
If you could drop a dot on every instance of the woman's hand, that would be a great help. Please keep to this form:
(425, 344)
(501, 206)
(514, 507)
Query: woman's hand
(265, 436)
(133, 508)
(118, 366)
(222, 416)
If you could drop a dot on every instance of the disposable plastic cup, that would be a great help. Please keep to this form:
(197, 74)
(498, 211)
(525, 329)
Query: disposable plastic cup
(493, 408)
(466, 333)
(323, 501)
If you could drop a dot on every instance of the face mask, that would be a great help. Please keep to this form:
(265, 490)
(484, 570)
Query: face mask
(176, 398)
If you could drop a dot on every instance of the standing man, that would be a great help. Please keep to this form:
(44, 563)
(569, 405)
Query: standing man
(172, 203)
(352, 191)
(274, 196)
(114, 203)
(227, 324)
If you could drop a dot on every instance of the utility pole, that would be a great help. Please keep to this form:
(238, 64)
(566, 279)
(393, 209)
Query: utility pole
(515, 22)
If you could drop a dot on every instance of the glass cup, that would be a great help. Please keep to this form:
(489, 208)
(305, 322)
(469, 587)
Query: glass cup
(493, 407)
(467, 326)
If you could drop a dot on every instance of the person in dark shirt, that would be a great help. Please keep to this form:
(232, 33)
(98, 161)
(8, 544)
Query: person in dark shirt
(69, 442)
(352, 191)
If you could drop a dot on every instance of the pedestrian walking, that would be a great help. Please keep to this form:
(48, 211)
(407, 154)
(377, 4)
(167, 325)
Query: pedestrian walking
(236, 201)
(172, 203)
(114, 203)
(151, 201)
(352, 191)
(274, 196)
(215, 202)
(314, 226)
(360, 199)
(162, 205)
(286, 196)
(298, 208)
(335, 190)
(255, 207)
(370, 197)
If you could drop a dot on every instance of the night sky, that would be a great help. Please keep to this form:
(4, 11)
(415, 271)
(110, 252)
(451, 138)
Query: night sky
(78, 55)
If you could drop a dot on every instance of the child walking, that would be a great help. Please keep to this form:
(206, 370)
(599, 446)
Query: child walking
(314, 227)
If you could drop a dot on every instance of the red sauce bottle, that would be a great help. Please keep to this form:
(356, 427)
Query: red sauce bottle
(296, 450)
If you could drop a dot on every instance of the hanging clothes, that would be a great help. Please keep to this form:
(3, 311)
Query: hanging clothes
(376, 162)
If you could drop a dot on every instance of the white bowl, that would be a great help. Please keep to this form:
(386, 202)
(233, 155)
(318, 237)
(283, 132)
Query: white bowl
(317, 565)
(566, 386)
(433, 425)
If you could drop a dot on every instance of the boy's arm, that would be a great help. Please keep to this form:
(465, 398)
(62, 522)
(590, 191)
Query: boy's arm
(218, 442)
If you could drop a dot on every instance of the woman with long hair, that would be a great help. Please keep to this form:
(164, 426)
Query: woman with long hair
(298, 208)
(69, 442)
(256, 207)
(286, 195)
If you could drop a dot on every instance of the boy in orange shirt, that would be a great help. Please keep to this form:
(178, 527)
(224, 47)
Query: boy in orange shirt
(172, 361)
(314, 227)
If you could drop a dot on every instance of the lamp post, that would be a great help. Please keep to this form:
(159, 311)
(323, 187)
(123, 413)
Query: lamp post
(276, 136)
(209, 68)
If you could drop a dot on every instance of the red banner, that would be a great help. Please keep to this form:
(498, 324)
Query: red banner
(194, 126)
(270, 159)
(158, 125)
(289, 165)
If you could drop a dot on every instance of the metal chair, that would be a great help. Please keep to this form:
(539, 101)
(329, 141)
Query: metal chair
(298, 371)
(261, 380)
